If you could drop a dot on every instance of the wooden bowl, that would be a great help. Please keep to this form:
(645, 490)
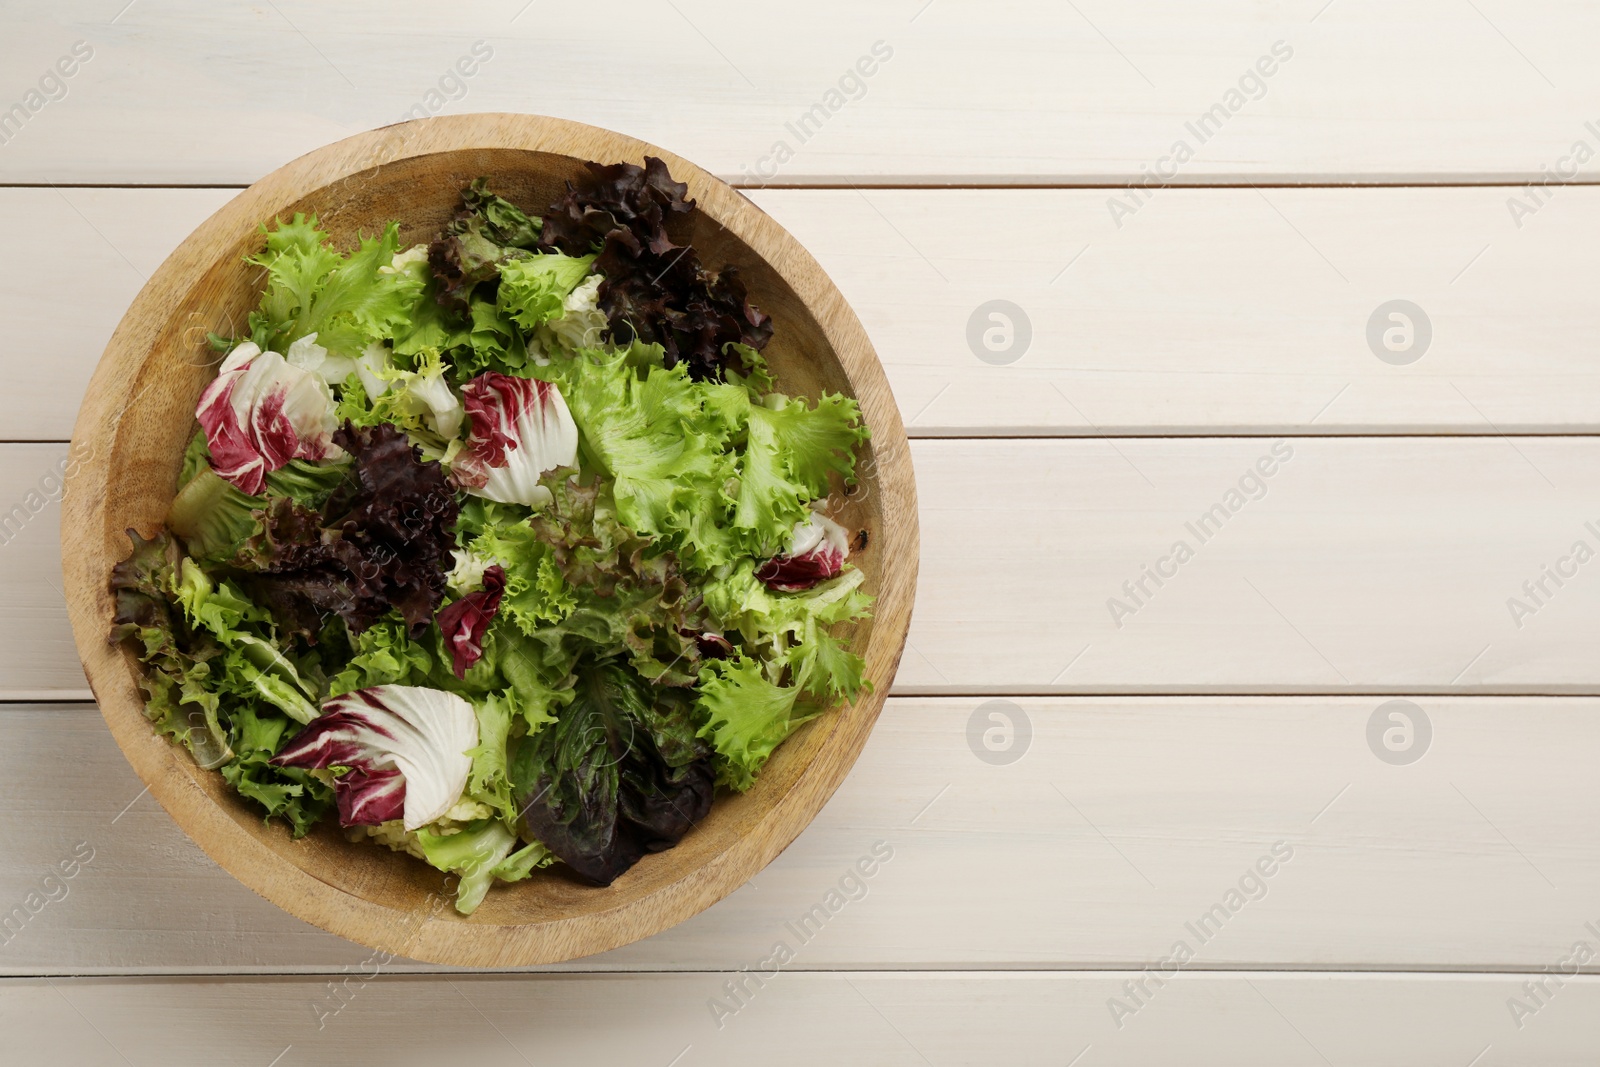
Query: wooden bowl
(139, 414)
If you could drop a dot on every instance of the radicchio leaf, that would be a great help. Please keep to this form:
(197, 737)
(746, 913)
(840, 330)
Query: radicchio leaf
(654, 289)
(406, 747)
(260, 412)
(817, 551)
(464, 623)
(521, 428)
(369, 798)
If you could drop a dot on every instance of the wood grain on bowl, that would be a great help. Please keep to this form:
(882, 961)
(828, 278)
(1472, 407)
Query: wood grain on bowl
(139, 413)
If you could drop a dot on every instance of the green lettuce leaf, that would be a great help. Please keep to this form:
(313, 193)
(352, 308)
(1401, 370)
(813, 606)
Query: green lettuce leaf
(745, 717)
(473, 853)
(214, 517)
(536, 594)
(814, 441)
(252, 660)
(292, 794)
(206, 686)
(487, 780)
(795, 629)
(523, 862)
(493, 342)
(347, 301)
(534, 290)
(383, 654)
(426, 324)
(308, 484)
(655, 439)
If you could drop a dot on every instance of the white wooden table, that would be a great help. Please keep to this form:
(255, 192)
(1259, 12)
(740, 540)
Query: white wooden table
(1160, 744)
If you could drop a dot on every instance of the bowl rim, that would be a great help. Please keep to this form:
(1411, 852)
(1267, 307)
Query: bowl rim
(87, 540)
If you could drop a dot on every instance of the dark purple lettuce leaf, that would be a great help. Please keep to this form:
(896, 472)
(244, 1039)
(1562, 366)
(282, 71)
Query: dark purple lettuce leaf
(654, 289)
(382, 541)
(620, 773)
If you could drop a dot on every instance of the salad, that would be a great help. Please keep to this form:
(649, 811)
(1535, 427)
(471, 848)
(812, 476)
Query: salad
(502, 550)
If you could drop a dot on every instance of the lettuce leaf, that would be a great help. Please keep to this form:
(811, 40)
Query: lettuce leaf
(347, 301)
(534, 290)
(815, 442)
(214, 517)
(536, 593)
(216, 683)
(383, 654)
(473, 853)
(655, 290)
(382, 541)
(618, 774)
(295, 796)
(745, 716)
(655, 440)
(487, 782)
(427, 323)
(795, 629)
(523, 862)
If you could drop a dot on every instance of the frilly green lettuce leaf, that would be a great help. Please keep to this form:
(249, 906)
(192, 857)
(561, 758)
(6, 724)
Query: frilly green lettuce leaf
(487, 781)
(426, 323)
(745, 716)
(795, 629)
(669, 477)
(536, 594)
(245, 630)
(817, 441)
(493, 342)
(206, 685)
(383, 654)
(299, 798)
(534, 290)
(347, 301)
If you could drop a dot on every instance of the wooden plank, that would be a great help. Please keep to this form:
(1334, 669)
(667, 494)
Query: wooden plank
(1360, 565)
(1217, 311)
(911, 1019)
(976, 92)
(40, 661)
(1357, 565)
(1107, 841)
(79, 256)
(1212, 311)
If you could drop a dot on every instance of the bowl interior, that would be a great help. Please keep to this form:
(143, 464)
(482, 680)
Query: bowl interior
(422, 192)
